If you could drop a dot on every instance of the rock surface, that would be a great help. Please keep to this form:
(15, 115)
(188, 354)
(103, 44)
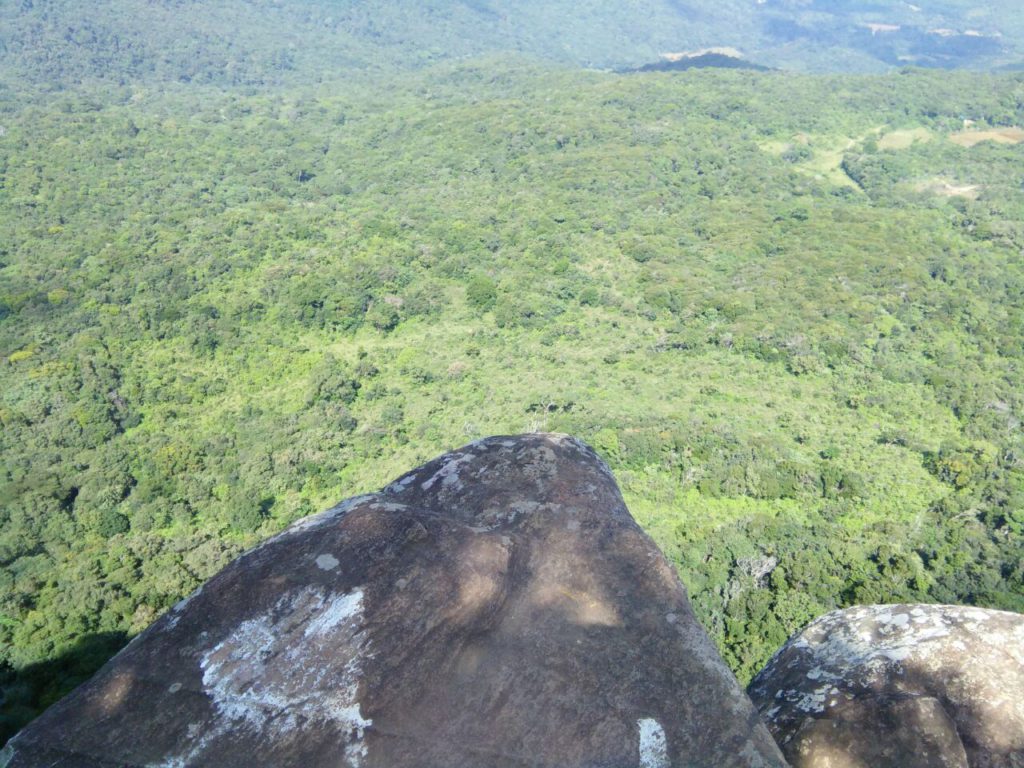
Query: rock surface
(496, 607)
(906, 686)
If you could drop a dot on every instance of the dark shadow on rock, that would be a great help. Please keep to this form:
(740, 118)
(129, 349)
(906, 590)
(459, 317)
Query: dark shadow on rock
(26, 692)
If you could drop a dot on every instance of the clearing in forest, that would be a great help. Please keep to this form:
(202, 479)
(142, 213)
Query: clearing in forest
(828, 163)
(822, 156)
(1000, 135)
(945, 188)
(904, 139)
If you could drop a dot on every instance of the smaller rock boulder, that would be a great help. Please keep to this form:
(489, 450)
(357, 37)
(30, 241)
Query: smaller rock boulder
(900, 686)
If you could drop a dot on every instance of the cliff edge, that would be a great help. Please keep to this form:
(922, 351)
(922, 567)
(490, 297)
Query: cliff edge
(499, 607)
(495, 607)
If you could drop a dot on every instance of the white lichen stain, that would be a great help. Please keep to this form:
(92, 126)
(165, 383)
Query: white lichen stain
(900, 653)
(653, 745)
(813, 701)
(335, 614)
(401, 483)
(327, 562)
(869, 636)
(873, 643)
(389, 506)
(297, 665)
(448, 474)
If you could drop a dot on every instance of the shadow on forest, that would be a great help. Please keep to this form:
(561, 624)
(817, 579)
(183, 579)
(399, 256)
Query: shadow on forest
(26, 692)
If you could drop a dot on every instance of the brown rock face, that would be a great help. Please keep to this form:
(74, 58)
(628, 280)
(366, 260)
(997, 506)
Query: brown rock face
(496, 607)
(900, 686)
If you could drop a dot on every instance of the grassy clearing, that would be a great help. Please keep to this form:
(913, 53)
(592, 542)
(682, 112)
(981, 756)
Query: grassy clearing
(998, 135)
(828, 164)
(945, 188)
(904, 139)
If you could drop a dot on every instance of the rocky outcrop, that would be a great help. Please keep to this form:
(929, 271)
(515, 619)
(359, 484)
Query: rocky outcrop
(496, 607)
(900, 686)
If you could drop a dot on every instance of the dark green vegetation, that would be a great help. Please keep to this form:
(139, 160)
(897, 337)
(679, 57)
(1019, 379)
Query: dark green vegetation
(788, 310)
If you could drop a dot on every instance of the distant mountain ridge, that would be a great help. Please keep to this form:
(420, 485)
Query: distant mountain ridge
(702, 61)
(264, 42)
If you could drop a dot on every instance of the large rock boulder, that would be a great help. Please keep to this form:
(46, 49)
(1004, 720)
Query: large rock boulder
(496, 607)
(906, 686)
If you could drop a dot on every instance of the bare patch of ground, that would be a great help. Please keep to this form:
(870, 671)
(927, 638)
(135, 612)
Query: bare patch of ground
(946, 188)
(999, 135)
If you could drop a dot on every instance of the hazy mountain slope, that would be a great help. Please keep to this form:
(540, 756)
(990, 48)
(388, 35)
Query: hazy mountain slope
(264, 41)
(838, 35)
(256, 42)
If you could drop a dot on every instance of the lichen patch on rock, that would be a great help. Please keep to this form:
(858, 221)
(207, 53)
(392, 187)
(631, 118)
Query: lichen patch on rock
(326, 562)
(653, 745)
(240, 678)
(900, 686)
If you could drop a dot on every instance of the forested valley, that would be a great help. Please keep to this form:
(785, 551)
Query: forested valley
(787, 309)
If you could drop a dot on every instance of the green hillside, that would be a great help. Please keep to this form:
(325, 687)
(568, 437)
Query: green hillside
(265, 42)
(788, 310)
(259, 43)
